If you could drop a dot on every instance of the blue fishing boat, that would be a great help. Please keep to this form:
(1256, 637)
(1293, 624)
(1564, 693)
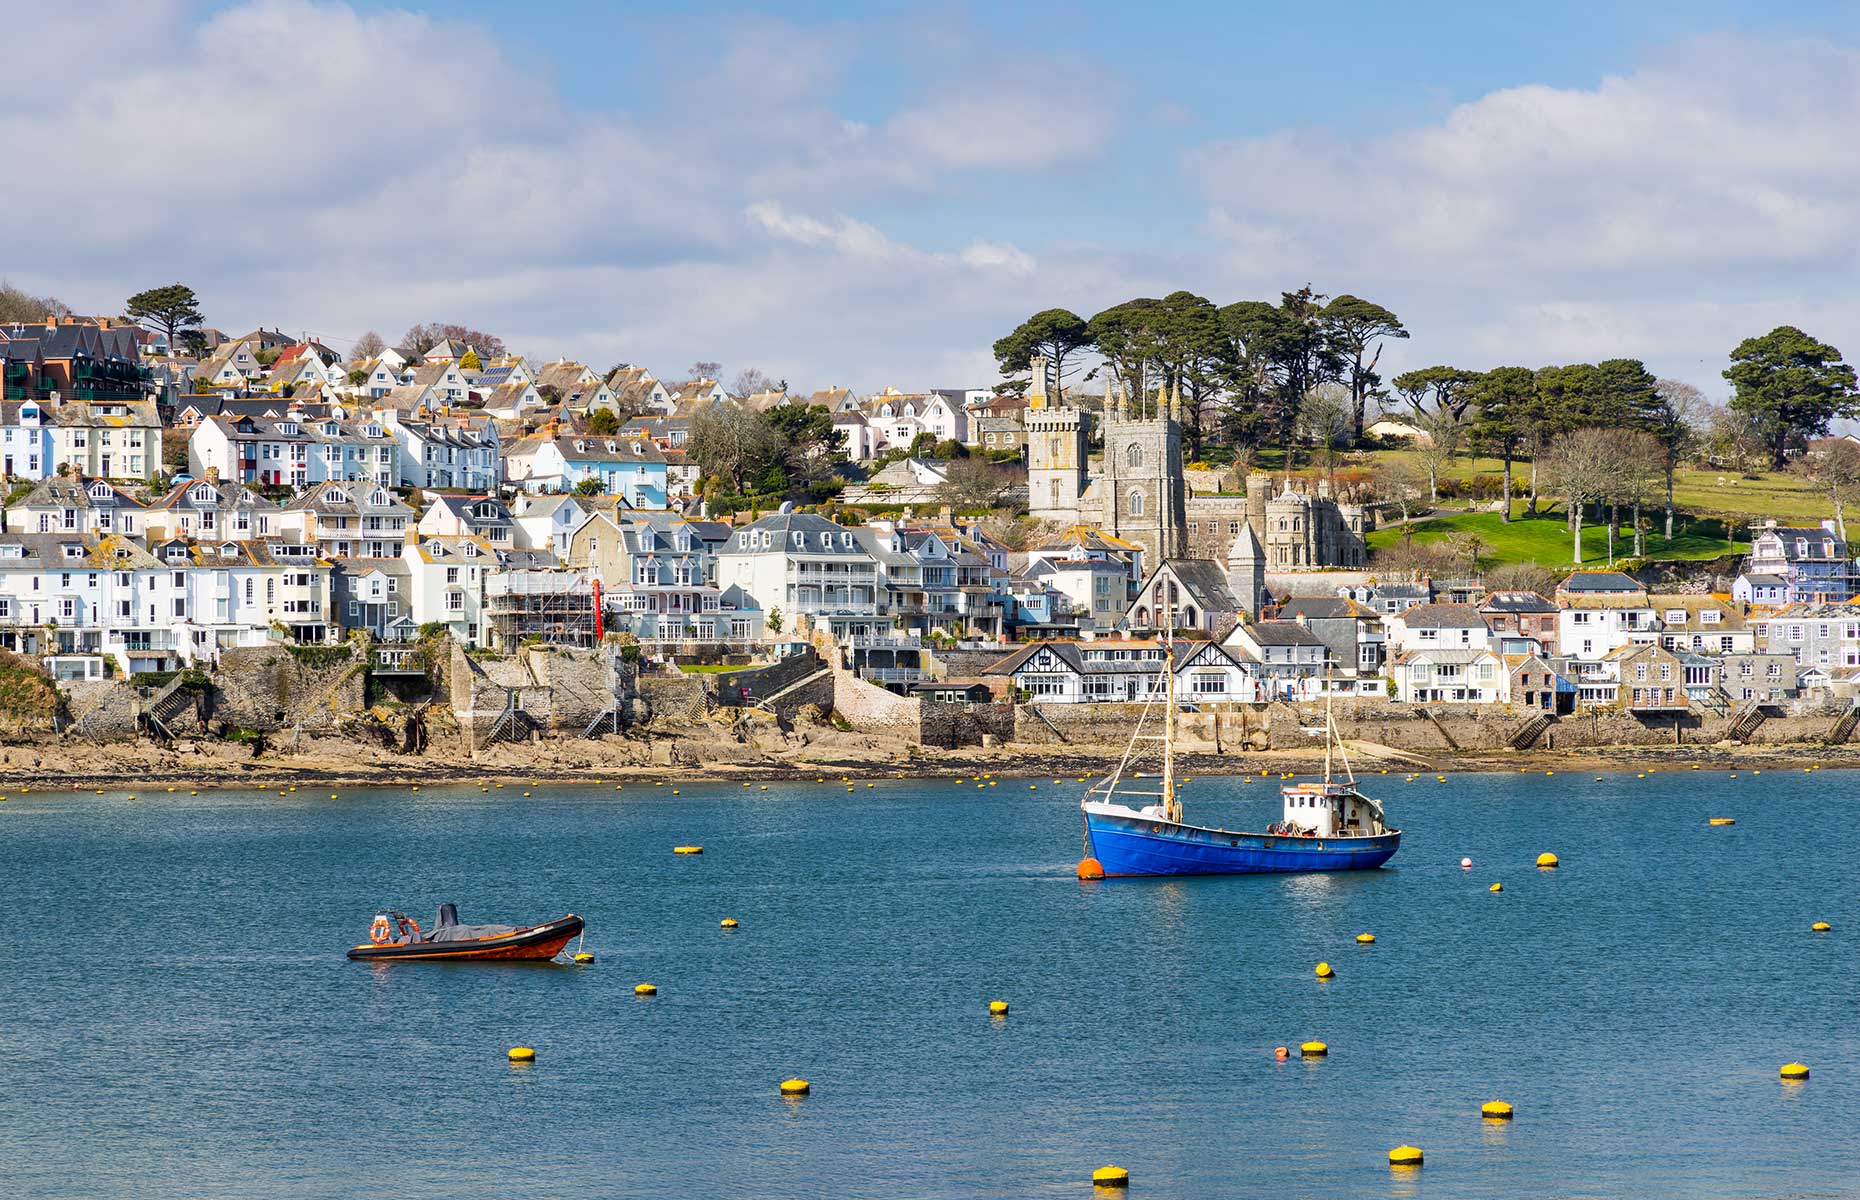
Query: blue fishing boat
(1134, 828)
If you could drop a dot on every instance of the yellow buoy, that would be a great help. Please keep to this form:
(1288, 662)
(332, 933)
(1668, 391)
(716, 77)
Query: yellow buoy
(1821, 927)
(1363, 939)
(522, 1054)
(416, 787)
(1405, 1156)
(1495, 1110)
(687, 849)
(1110, 1177)
(674, 791)
(794, 1087)
(765, 787)
(1724, 820)
(1794, 1071)
(1324, 971)
(1497, 887)
(1546, 861)
(1313, 1049)
(727, 923)
(997, 1008)
(584, 957)
(645, 989)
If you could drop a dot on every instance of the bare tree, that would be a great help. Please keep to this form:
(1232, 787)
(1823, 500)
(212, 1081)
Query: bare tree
(19, 307)
(1832, 467)
(1472, 547)
(703, 369)
(1399, 483)
(731, 442)
(1324, 421)
(1676, 421)
(1446, 433)
(366, 347)
(974, 483)
(749, 381)
(1630, 467)
(1733, 439)
(1576, 465)
(1523, 577)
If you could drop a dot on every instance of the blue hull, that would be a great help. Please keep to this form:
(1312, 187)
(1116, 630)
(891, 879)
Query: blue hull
(1140, 847)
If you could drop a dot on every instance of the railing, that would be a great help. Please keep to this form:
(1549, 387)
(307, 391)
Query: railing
(862, 641)
(893, 674)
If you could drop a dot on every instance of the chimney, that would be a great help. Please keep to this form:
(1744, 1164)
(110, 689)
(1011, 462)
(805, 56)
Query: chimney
(213, 474)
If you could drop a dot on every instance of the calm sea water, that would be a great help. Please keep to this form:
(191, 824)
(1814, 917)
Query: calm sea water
(177, 1018)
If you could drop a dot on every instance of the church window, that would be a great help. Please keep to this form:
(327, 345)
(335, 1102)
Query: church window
(1055, 490)
(1136, 504)
(1134, 455)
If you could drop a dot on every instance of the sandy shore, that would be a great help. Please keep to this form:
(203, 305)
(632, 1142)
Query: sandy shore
(217, 765)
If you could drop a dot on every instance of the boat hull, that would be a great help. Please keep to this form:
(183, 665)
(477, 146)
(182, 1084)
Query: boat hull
(1127, 846)
(538, 942)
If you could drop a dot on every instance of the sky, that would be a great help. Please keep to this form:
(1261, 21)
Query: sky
(869, 194)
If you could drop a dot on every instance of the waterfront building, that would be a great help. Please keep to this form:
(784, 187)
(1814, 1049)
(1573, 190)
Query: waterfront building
(1789, 565)
(807, 567)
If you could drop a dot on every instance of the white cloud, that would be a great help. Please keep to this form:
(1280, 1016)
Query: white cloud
(332, 170)
(1664, 213)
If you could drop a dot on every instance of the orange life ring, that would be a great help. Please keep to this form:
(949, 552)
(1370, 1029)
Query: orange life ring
(406, 921)
(378, 933)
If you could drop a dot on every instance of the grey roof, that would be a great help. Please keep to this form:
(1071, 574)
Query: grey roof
(1282, 633)
(1205, 582)
(1814, 536)
(1443, 616)
(1517, 602)
(1601, 581)
(1325, 608)
(820, 536)
(65, 492)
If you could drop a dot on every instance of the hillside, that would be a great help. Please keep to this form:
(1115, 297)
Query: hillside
(1545, 540)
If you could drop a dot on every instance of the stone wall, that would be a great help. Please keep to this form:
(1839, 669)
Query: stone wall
(104, 711)
(871, 709)
(754, 683)
(953, 726)
(268, 688)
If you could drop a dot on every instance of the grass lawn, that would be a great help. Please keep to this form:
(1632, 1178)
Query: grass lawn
(709, 668)
(1545, 539)
(1706, 493)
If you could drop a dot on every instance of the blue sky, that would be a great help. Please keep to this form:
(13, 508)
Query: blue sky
(869, 194)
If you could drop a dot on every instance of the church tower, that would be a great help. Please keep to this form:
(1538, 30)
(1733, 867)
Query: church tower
(1141, 493)
(1055, 452)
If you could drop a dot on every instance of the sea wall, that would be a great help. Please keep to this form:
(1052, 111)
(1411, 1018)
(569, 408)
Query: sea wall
(268, 688)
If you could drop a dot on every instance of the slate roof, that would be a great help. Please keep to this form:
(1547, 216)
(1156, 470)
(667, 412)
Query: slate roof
(1443, 616)
(1517, 602)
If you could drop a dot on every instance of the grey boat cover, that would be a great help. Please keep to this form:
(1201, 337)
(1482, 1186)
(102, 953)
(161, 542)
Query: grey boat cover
(446, 927)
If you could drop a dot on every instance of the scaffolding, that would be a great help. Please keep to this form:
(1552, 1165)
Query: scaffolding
(558, 607)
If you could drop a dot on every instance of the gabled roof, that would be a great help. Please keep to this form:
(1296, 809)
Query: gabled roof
(1517, 602)
(1600, 581)
(1282, 633)
(1443, 616)
(1326, 608)
(1204, 582)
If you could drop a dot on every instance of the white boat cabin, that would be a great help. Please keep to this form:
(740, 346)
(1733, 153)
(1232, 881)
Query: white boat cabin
(1330, 810)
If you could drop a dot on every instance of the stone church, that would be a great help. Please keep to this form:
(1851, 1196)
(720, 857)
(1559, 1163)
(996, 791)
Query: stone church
(1136, 489)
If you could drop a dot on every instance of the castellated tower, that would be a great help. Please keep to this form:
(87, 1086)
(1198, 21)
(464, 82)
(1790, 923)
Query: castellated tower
(1056, 453)
(1141, 493)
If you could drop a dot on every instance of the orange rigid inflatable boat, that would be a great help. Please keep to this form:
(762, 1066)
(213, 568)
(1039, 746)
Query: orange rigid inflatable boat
(396, 937)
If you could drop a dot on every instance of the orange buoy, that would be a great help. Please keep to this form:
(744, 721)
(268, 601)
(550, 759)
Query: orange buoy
(1090, 868)
(1281, 1053)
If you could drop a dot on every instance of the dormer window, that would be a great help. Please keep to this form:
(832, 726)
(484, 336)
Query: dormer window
(581, 447)
(379, 498)
(287, 428)
(100, 491)
(471, 550)
(334, 496)
(229, 548)
(331, 429)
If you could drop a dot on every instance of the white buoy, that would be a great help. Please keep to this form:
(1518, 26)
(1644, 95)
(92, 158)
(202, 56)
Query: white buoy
(1465, 864)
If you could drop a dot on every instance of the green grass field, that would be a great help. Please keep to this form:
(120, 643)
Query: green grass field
(1545, 539)
(1722, 494)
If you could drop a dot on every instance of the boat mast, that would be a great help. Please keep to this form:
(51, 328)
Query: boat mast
(1171, 809)
(1330, 727)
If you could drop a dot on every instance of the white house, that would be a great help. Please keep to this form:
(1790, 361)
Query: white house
(1591, 627)
(1438, 627)
(805, 566)
(27, 445)
(445, 578)
(547, 521)
(109, 439)
(1450, 676)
